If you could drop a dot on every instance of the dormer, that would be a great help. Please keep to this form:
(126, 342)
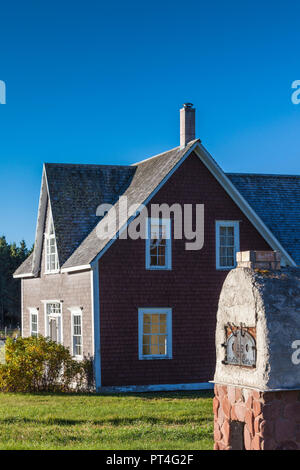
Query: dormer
(51, 256)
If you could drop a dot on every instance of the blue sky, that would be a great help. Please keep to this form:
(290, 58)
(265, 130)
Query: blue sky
(102, 82)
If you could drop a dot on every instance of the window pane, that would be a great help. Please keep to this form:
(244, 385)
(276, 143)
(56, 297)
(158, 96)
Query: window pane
(158, 243)
(154, 349)
(154, 339)
(226, 248)
(77, 338)
(154, 261)
(53, 308)
(77, 348)
(34, 325)
(161, 250)
(155, 334)
(51, 254)
(146, 339)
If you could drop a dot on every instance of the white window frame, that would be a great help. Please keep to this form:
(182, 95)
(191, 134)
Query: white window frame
(236, 227)
(58, 315)
(51, 236)
(142, 312)
(34, 311)
(167, 224)
(76, 311)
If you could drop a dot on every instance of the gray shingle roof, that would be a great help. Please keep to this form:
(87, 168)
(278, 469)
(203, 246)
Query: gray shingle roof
(149, 174)
(75, 192)
(276, 200)
(25, 267)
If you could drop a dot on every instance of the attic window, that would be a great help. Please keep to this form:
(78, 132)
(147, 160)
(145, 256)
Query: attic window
(51, 251)
(158, 244)
(227, 243)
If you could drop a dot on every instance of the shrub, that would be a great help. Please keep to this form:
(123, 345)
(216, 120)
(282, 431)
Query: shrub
(37, 364)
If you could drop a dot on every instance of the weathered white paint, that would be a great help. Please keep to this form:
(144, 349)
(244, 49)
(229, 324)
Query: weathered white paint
(157, 388)
(96, 316)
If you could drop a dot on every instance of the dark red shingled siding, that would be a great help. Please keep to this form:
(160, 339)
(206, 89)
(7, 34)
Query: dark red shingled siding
(191, 289)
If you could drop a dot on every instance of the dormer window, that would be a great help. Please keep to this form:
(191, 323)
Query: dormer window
(51, 251)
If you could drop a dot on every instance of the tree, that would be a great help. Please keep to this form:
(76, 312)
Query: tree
(11, 256)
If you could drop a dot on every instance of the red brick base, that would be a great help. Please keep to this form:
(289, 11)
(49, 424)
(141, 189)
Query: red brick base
(271, 420)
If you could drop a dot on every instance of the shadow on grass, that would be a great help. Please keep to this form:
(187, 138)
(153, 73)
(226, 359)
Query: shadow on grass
(108, 421)
(145, 395)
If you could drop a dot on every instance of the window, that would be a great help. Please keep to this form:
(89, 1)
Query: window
(227, 244)
(51, 251)
(155, 333)
(76, 332)
(33, 321)
(53, 326)
(158, 244)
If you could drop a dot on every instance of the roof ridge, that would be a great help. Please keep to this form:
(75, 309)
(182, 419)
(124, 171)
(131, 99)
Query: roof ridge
(178, 147)
(86, 165)
(271, 175)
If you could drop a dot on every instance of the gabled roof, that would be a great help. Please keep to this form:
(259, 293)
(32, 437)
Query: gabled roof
(148, 177)
(25, 269)
(276, 199)
(75, 192)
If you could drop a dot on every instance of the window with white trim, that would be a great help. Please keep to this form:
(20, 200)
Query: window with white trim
(155, 333)
(33, 322)
(227, 243)
(51, 251)
(76, 333)
(158, 244)
(53, 319)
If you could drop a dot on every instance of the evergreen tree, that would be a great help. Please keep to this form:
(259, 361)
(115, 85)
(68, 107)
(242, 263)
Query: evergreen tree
(11, 256)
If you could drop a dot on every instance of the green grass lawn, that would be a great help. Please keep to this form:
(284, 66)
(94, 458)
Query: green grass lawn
(114, 422)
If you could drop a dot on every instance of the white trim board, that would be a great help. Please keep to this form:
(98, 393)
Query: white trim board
(157, 388)
(96, 326)
(83, 267)
(39, 232)
(22, 307)
(21, 276)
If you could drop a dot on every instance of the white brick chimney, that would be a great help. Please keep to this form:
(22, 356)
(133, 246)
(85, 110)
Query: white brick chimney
(187, 124)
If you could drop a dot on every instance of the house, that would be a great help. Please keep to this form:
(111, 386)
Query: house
(144, 308)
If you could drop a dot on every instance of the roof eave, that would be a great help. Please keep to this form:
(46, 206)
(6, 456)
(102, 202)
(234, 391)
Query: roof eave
(83, 267)
(233, 192)
(25, 275)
